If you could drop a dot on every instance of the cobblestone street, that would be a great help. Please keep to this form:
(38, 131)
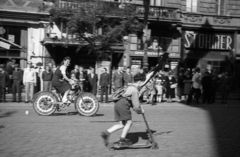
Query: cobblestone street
(181, 131)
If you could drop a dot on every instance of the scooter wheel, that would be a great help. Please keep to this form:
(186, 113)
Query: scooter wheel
(155, 145)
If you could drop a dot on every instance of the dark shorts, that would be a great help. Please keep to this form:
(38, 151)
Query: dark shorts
(122, 110)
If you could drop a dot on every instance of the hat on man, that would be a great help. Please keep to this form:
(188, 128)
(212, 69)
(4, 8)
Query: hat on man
(16, 65)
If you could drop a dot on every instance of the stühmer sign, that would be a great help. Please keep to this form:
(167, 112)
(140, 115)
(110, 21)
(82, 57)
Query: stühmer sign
(214, 41)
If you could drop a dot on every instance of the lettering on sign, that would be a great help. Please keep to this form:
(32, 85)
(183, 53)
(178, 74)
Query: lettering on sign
(208, 41)
(155, 54)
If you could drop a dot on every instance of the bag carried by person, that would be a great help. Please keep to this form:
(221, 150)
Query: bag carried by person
(173, 85)
(118, 94)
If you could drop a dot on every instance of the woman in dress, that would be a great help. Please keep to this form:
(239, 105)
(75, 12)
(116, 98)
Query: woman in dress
(61, 82)
(187, 79)
(170, 91)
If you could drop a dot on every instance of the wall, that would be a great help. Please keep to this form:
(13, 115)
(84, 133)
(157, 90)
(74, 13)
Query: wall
(35, 48)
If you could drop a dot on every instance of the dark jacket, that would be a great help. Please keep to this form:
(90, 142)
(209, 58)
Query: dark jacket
(17, 75)
(4, 78)
(118, 79)
(47, 76)
(93, 83)
(128, 78)
(104, 80)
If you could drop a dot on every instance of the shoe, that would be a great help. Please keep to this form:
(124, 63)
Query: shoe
(13, 101)
(19, 101)
(26, 101)
(125, 142)
(105, 135)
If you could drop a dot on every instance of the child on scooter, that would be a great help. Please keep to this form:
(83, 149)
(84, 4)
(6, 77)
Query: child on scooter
(123, 115)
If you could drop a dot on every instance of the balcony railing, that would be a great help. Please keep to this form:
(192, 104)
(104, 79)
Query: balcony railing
(155, 12)
(159, 12)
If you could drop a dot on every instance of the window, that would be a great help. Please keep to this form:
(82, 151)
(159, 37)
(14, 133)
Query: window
(191, 5)
(221, 8)
(157, 2)
(217, 65)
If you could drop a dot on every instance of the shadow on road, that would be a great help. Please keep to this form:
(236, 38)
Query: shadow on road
(7, 114)
(224, 121)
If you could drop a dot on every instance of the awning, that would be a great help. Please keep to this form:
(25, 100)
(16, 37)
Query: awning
(6, 44)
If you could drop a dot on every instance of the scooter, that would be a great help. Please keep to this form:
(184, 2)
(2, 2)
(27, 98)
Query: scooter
(151, 143)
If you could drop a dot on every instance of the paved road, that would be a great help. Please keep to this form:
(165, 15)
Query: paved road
(181, 131)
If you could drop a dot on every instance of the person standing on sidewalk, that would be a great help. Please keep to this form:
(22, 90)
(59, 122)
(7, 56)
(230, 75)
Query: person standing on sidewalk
(29, 80)
(207, 88)
(93, 79)
(118, 79)
(82, 79)
(104, 82)
(47, 76)
(196, 79)
(3, 83)
(127, 77)
(17, 77)
(224, 87)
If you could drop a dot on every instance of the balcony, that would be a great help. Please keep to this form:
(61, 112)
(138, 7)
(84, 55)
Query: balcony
(155, 12)
(159, 13)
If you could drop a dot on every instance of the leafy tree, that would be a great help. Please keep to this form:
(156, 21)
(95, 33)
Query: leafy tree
(87, 16)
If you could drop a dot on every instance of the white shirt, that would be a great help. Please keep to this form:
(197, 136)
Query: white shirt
(29, 75)
(63, 69)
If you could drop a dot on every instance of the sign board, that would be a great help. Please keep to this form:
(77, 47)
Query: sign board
(5, 45)
(152, 54)
(210, 41)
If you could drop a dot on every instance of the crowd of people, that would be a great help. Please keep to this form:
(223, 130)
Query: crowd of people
(186, 85)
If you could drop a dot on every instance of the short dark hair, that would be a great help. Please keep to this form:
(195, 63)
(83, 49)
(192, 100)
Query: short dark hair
(105, 69)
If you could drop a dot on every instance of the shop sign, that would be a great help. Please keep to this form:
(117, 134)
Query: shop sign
(215, 41)
(5, 45)
(153, 54)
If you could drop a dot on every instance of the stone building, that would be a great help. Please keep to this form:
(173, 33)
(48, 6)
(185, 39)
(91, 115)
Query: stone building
(21, 30)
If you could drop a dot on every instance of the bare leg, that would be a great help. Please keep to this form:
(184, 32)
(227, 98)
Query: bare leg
(126, 128)
(65, 96)
(116, 127)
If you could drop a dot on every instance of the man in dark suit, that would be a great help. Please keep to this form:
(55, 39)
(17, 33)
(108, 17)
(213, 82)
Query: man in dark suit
(92, 79)
(4, 77)
(17, 77)
(127, 77)
(118, 79)
(104, 81)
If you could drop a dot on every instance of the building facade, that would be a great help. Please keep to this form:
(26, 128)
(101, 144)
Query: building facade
(196, 33)
(21, 30)
(203, 33)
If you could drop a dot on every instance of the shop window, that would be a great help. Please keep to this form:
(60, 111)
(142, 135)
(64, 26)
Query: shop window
(221, 7)
(218, 65)
(157, 2)
(191, 5)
